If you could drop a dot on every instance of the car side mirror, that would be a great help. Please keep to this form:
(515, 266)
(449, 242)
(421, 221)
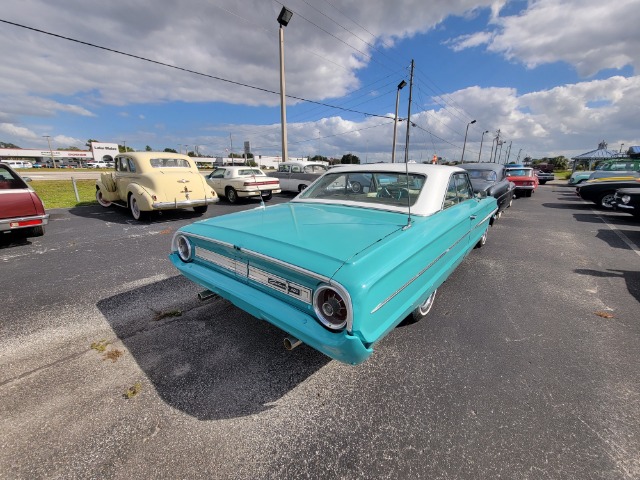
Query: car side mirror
(481, 194)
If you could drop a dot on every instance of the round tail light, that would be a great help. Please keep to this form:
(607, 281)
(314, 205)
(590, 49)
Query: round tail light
(183, 247)
(332, 307)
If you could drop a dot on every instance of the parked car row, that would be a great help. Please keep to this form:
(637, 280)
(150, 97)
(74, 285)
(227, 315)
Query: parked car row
(603, 192)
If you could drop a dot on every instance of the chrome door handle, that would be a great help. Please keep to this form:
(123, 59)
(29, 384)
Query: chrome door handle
(473, 217)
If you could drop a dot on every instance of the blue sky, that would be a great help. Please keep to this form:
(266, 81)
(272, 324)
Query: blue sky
(556, 77)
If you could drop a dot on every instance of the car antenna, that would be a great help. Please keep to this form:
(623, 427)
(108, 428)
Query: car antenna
(406, 150)
(262, 204)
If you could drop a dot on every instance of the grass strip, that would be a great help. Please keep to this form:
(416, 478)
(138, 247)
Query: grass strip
(60, 194)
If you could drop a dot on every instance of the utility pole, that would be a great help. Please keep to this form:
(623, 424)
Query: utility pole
(48, 137)
(497, 143)
(406, 145)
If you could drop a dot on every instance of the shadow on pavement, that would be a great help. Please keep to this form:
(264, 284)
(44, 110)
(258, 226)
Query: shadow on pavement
(13, 239)
(122, 216)
(208, 359)
(631, 278)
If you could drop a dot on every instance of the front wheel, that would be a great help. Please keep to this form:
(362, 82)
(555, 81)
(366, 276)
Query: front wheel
(134, 207)
(101, 200)
(231, 195)
(605, 200)
(422, 310)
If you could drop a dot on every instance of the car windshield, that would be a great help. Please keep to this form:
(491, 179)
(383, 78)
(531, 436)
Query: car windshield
(520, 172)
(169, 163)
(381, 188)
(483, 174)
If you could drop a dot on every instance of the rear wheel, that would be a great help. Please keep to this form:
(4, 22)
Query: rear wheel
(422, 310)
(267, 196)
(301, 187)
(134, 208)
(231, 195)
(483, 240)
(101, 200)
(37, 231)
(201, 209)
(605, 200)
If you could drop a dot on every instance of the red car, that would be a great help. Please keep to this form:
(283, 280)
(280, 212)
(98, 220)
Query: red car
(525, 179)
(20, 207)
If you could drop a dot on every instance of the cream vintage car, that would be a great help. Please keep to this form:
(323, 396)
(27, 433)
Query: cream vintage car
(148, 181)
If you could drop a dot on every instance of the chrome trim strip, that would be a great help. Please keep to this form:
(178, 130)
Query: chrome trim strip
(185, 203)
(8, 221)
(281, 263)
(295, 268)
(419, 274)
(280, 284)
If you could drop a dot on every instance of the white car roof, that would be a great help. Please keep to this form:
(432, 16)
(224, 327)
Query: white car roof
(432, 195)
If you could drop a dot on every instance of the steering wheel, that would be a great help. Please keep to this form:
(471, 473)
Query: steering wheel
(384, 193)
(403, 193)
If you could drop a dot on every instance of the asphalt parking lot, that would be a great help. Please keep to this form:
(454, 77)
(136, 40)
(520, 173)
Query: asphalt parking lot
(110, 367)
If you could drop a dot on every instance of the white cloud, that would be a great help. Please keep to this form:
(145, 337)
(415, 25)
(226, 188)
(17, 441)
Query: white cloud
(588, 34)
(51, 77)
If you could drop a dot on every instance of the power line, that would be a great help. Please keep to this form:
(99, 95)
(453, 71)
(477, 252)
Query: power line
(214, 77)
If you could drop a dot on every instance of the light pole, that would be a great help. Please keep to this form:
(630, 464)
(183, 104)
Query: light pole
(481, 140)
(465, 139)
(283, 20)
(401, 85)
(500, 155)
(48, 137)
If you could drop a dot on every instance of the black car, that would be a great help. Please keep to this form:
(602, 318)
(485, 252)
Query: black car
(491, 179)
(601, 191)
(627, 200)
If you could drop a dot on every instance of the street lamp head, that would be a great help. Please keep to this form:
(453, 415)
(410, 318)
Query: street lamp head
(285, 16)
(401, 85)
(472, 122)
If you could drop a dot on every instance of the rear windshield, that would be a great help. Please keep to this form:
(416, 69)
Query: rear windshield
(249, 172)
(170, 163)
(382, 188)
(10, 180)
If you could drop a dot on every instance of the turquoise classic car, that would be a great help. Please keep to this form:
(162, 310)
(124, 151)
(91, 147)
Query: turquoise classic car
(360, 250)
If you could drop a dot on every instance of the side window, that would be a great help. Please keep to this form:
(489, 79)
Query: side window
(132, 166)
(295, 169)
(218, 173)
(123, 165)
(283, 168)
(463, 187)
(451, 197)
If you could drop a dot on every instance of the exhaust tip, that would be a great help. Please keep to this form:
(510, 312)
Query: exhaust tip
(291, 342)
(206, 294)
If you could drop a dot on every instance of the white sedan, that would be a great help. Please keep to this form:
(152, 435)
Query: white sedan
(234, 182)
